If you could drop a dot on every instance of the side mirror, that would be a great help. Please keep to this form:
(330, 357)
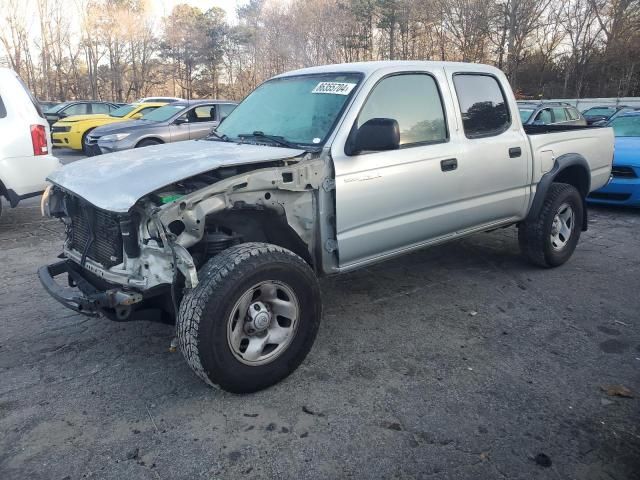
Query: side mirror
(62, 115)
(538, 122)
(137, 116)
(376, 135)
(180, 121)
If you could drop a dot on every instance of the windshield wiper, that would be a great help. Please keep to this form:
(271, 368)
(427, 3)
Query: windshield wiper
(215, 134)
(279, 140)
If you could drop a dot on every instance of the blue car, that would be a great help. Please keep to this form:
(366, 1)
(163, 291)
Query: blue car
(624, 188)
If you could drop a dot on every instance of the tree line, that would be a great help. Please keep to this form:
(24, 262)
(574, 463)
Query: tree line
(117, 50)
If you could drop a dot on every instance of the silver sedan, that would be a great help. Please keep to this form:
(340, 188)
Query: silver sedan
(178, 121)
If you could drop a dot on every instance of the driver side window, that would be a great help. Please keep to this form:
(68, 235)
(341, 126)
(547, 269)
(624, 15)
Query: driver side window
(413, 100)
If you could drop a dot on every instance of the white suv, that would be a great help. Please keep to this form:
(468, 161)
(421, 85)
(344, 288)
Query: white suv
(25, 144)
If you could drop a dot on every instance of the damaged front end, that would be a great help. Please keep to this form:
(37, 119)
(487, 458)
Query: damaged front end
(136, 264)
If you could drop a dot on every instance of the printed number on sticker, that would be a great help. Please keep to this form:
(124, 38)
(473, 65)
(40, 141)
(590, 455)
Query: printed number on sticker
(335, 88)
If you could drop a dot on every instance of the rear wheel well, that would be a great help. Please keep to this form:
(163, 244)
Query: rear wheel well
(577, 176)
(260, 226)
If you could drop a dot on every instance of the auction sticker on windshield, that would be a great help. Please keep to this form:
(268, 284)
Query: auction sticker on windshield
(335, 88)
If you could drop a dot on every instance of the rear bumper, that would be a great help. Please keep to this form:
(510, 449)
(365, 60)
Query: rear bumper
(85, 298)
(620, 191)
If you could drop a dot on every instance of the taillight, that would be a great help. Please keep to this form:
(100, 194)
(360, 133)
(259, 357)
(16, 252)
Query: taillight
(39, 140)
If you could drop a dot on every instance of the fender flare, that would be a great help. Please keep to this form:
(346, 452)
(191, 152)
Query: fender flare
(561, 164)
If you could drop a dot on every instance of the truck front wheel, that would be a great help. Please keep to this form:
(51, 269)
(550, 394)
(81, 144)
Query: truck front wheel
(549, 239)
(252, 319)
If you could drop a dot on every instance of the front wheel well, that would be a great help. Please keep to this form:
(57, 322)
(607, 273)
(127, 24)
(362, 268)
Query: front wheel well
(260, 226)
(154, 139)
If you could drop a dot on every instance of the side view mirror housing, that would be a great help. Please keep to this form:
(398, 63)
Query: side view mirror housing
(538, 122)
(62, 115)
(180, 121)
(375, 135)
(137, 116)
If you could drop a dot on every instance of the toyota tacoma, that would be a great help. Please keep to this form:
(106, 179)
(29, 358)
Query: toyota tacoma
(317, 172)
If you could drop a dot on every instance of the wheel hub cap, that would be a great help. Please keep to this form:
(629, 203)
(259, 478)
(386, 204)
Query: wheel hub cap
(562, 226)
(259, 318)
(263, 322)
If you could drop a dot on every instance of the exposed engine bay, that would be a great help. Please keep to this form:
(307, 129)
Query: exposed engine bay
(170, 233)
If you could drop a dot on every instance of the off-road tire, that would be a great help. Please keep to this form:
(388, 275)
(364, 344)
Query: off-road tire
(534, 233)
(205, 310)
(147, 143)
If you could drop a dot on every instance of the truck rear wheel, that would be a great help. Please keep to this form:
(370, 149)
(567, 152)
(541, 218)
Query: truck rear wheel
(252, 319)
(550, 239)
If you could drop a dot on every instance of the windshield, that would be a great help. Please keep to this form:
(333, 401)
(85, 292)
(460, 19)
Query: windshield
(163, 114)
(122, 111)
(525, 113)
(605, 112)
(626, 126)
(300, 110)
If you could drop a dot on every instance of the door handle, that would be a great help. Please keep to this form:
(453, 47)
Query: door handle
(449, 164)
(515, 152)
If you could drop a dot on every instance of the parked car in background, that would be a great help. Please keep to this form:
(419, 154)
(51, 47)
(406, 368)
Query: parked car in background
(601, 113)
(47, 104)
(159, 99)
(78, 107)
(178, 121)
(317, 172)
(621, 111)
(549, 113)
(25, 146)
(624, 187)
(71, 132)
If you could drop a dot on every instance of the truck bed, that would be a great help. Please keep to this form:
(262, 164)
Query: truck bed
(549, 142)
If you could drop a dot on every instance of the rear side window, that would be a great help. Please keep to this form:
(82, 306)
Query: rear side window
(559, 115)
(482, 104)
(3, 110)
(573, 114)
(414, 101)
(35, 103)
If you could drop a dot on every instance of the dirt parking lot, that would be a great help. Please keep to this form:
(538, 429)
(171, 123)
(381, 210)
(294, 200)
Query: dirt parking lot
(458, 362)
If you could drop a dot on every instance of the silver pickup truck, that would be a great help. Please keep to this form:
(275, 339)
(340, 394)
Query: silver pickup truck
(317, 172)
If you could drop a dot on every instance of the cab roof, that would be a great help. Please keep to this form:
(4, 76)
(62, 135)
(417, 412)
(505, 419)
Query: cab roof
(368, 68)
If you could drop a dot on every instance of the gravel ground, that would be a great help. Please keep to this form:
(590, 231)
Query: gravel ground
(457, 362)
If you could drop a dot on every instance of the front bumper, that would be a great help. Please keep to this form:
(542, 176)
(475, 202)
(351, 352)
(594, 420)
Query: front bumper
(87, 299)
(620, 191)
(67, 140)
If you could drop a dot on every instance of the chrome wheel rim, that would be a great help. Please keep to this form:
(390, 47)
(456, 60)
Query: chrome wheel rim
(263, 322)
(562, 227)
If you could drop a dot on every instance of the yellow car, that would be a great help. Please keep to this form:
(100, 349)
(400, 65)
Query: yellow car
(71, 131)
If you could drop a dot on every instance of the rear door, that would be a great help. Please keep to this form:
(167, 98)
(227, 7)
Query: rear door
(494, 155)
